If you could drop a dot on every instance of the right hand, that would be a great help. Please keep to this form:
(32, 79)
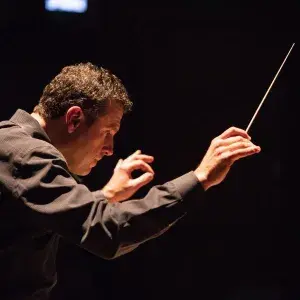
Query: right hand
(224, 150)
(122, 186)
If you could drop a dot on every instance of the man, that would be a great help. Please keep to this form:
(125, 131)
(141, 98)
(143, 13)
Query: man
(70, 130)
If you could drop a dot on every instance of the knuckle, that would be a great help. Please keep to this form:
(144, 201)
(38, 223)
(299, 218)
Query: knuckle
(223, 156)
(226, 156)
(141, 163)
(123, 168)
(131, 185)
(215, 142)
(218, 151)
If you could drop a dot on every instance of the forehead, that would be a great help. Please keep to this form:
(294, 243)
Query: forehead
(112, 118)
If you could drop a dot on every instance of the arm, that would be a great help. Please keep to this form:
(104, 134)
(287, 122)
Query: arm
(54, 200)
(108, 228)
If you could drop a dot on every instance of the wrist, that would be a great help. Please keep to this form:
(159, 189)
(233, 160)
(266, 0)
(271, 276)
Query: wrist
(202, 177)
(108, 193)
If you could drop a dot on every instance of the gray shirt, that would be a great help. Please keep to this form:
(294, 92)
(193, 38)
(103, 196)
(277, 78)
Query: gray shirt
(41, 201)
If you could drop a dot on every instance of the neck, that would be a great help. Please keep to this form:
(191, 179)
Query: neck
(58, 136)
(40, 119)
(54, 130)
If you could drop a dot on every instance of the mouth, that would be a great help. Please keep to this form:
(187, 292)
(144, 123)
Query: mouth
(94, 163)
(99, 158)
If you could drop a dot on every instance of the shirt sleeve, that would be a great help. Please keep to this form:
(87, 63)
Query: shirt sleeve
(53, 199)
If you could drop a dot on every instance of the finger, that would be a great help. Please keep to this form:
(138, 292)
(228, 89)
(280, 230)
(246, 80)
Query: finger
(227, 141)
(139, 165)
(240, 153)
(134, 154)
(142, 180)
(144, 157)
(234, 146)
(234, 131)
(119, 163)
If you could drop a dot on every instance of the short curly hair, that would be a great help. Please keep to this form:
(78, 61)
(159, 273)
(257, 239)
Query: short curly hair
(85, 85)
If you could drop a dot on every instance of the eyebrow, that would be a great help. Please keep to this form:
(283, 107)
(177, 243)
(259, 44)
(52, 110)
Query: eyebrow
(113, 126)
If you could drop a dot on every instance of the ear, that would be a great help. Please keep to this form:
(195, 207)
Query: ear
(74, 118)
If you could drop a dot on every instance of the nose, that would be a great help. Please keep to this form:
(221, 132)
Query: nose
(108, 148)
(108, 151)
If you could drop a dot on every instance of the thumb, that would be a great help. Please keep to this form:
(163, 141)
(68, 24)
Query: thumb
(142, 180)
(119, 163)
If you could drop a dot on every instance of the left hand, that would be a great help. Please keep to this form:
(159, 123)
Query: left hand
(122, 186)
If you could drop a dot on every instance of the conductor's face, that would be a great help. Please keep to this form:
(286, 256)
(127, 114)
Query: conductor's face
(89, 144)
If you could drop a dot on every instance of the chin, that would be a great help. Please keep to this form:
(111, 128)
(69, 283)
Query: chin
(81, 172)
(84, 172)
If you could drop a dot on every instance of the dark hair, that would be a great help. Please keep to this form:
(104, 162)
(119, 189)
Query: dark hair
(84, 85)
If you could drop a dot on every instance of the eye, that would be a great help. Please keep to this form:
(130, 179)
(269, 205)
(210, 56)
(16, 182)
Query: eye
(108, 134)
(113, 132)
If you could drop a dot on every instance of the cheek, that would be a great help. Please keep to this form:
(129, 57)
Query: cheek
(85, 150)
(94, 145)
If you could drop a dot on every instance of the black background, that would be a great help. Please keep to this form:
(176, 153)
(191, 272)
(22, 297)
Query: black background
(192, 70)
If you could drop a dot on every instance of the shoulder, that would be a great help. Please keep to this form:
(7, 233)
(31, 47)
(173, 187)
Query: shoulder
(17, 144)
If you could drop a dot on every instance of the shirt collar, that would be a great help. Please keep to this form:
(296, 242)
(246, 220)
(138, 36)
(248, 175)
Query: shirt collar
(33, 127)
(29, 124)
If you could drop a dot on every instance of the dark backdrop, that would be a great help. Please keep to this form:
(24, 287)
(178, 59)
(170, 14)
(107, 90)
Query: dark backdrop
(192, 70)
